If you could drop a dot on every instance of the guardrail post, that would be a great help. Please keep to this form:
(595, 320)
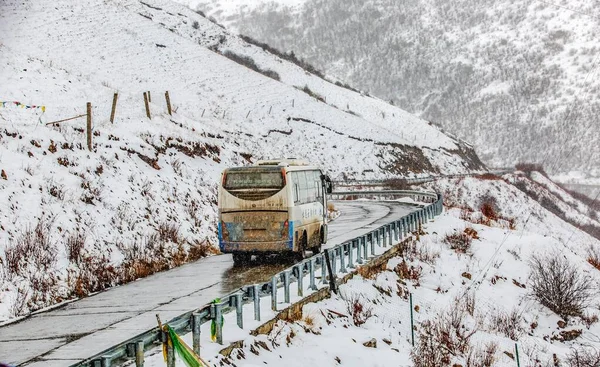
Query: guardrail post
(343, 257)
(374, 235)
(358, 252)
(364, 248)
(256, 298)
(333, 259)
(404, 227)
(286, 286)
(239, 310)
(350, 255)
(323, 269)
(274, 293)
(171, 350)
(390, 234)
(311, 270)
(139, 353)
(195, 334)
(216, 311)
(384, 229)
(301, 279)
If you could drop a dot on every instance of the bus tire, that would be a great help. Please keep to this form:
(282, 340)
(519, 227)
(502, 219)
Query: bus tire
(241, 258)
(302, 254)
(317, 249)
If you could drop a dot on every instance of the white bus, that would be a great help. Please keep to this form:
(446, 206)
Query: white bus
(275, 206)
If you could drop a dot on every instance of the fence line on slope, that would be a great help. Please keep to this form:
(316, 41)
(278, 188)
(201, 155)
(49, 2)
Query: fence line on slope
(344, 256)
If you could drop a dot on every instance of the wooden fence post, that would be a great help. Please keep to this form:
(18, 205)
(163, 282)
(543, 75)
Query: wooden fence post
(89, 126)
(168, 102)
(114, 108)
(147, 105)
(149, 97)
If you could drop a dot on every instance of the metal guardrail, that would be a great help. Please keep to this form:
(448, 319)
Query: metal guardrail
(355, 251)
(415, 181)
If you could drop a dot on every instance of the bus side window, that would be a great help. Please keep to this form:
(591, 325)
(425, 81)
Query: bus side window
(295, 187)
(303, 187)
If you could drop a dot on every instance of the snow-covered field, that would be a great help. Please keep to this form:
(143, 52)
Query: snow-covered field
(481, 296)
(143, 200)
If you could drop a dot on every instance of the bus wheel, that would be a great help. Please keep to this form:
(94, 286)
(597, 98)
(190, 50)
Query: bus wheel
(303, 254)
(241, 259)
(317, 249)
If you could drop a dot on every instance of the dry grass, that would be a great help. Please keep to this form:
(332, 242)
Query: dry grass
(200, 249)
(508, 324)
(369, 271)
(357, 309)
(408, 272)
(459, 242)
(594, 257)
(485, 357)
(442, 339)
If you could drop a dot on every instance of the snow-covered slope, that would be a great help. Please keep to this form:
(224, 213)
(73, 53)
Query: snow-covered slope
(471, 279)
(525, 70)
(75, 221)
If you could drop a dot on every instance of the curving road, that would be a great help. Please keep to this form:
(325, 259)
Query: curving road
(80, 329)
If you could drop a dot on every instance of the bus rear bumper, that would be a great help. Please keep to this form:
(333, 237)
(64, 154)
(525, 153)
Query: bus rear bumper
(256, 247)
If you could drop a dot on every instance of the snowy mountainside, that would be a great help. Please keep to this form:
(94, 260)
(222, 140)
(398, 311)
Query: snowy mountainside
(526, 71)
(471, 274)
(75, 221)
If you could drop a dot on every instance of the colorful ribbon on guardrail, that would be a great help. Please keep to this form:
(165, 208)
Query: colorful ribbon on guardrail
(213, 324)
(187, 354)
(22, 105)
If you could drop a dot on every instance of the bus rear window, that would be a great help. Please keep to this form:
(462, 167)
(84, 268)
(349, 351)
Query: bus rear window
(254, 180)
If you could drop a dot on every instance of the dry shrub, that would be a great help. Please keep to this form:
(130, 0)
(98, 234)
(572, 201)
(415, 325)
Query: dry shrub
(560, 285)
(459, 242)
(33, 250)
(411, 273)
(469, 302)
(18, 306)
(465, 214)
(471, 232)
(441, 339)
(420, 251)
(143, 258)
(371, 271)
(74, 246)
(168, 232)
(594, 257)
(530, 167)
(95, 273)
(584, 357)
(358, 310)
(485, 357)
(509, 324)
(589, 320)
(200, 249)
(489, 209)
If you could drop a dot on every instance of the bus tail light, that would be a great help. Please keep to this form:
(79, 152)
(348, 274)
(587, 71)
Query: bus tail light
(283, 176)
(224, 231)
(286, 226)
(223, 178)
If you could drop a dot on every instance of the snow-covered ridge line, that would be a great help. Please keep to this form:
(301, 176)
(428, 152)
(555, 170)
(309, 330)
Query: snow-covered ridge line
(359, 250)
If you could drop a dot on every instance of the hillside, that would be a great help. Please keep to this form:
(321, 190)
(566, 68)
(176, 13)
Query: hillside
(513, 78)
(473, 278)
(143, 199)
